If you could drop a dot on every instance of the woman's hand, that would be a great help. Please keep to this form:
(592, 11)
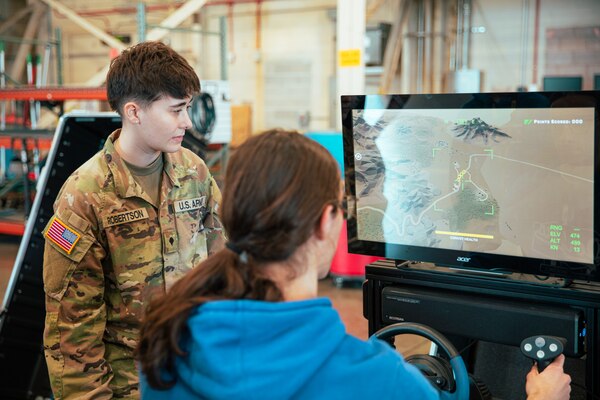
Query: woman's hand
(551, 384)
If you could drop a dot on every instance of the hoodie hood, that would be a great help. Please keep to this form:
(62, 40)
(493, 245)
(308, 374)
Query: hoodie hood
(256, 349)
(244, 349)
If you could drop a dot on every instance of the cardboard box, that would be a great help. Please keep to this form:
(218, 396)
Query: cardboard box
(241, 123)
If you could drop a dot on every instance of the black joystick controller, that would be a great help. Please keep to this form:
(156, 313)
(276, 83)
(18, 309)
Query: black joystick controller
(543, 349)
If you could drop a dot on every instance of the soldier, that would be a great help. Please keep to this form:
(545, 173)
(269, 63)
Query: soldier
(127, 224)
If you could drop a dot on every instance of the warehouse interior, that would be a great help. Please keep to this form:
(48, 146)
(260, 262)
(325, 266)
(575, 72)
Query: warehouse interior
(281, 64)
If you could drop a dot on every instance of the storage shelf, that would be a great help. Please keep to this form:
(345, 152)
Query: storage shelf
(13, 228)
(54, 93)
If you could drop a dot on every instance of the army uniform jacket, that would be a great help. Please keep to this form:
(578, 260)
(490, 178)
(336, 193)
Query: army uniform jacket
(108, 251)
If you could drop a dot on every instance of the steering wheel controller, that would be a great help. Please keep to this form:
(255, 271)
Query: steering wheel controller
(543, 349)
(452, 378)
(453, 382)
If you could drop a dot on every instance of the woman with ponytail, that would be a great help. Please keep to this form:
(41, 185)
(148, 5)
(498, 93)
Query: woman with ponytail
(247, 322)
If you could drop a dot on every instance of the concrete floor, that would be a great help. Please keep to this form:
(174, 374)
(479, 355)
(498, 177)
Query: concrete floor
(347, 301)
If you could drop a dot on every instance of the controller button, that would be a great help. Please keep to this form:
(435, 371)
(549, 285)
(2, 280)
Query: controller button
(528, 347)
(540, 342)
(553, 347)
(540, 354)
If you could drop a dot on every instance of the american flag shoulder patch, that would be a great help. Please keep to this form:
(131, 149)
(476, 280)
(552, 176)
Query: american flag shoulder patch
(63, 236)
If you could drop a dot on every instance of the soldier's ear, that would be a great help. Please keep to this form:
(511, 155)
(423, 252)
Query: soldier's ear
(131, 112)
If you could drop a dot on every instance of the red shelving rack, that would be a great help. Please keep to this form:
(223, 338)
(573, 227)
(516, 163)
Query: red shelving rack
(54, 93)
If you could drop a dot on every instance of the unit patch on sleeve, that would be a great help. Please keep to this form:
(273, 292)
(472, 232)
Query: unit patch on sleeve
(190, 204)
(125, 216)
(65, 237)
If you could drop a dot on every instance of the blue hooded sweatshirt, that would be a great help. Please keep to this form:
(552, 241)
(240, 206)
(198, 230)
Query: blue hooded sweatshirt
(245, 349)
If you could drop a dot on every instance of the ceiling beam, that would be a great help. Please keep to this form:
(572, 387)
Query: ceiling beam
(172, 21)
(17, 68)
(393, 50)
(86, 25)
(175, 19)
(372, 7)
(6, 25)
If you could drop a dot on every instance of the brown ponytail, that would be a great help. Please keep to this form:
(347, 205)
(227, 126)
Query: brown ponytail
(275, 188)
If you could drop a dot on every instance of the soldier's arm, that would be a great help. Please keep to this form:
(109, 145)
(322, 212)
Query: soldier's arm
(215, 235)
(75, 311)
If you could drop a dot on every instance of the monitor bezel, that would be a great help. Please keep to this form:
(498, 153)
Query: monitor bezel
(450, 258)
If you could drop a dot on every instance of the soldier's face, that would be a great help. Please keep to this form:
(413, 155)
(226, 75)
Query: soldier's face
(163, 123)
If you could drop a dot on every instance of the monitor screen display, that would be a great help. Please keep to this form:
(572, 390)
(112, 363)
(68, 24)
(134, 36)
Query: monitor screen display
(502, 181)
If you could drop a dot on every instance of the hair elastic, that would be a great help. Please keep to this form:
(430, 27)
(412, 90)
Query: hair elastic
(241, 253)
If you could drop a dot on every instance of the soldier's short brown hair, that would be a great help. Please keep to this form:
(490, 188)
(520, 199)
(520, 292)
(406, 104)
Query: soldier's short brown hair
(146, 72)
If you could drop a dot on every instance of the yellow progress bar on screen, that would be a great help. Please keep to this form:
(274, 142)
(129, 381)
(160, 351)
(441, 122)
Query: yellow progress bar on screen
(475, 235)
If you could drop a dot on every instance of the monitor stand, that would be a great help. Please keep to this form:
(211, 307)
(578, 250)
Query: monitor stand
(495, 274)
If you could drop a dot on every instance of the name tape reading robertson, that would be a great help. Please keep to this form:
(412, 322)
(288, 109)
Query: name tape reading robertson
(190, 204)
(125, 216)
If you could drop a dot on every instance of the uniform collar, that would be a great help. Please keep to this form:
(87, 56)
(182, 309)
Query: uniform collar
(125, 184)
(170, 168)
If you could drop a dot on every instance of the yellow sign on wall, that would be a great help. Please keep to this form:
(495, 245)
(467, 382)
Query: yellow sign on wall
(349, 58)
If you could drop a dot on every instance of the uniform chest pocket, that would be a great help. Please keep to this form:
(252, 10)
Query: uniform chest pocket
(192, 235)
(189, 225)
(134, 247)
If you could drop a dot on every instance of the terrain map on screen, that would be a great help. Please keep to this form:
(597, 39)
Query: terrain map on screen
(505, 181)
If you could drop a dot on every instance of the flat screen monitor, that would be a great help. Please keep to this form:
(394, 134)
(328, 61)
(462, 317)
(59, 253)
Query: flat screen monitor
(483, 181)
(562, 83)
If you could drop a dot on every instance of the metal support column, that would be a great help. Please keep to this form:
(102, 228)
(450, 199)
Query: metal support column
(58, 38)
(223, 47)
(141, 21)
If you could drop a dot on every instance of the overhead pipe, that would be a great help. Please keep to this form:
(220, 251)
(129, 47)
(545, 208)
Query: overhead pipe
(125, 10)
(158, 7)
(225, 2)
(278, 11)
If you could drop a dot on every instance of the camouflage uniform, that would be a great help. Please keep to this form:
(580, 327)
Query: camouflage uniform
(108, 251)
